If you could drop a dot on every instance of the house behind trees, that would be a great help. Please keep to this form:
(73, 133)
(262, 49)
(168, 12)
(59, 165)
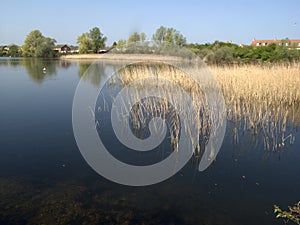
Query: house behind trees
(291, 43)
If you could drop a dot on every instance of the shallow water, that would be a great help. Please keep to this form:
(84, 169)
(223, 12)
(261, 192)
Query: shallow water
(44, 178)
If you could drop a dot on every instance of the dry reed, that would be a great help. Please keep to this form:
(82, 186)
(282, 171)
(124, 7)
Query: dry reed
(260, 99)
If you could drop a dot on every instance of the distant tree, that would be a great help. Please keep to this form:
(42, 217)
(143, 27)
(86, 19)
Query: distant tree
(169, 35)
(227, 53)
(14, 51)
(45, 49)
(203, 53)
(97, 39)
(244, 54)
(160, 34)
(224, 55)
(85, 44)
(36, 45)
(135, 37)
(91, 41)
(32, 41)
(179, 38)
(142, 37)
(121, 42)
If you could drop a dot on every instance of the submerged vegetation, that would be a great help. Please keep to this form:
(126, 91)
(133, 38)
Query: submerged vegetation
(293, 214)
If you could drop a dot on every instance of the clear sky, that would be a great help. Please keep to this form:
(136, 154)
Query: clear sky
(199, 21)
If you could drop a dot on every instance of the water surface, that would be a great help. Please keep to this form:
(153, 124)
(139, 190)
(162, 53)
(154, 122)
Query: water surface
(44, 178)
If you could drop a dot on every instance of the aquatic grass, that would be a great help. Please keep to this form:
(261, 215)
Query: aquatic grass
(261, 100)
(161, 76)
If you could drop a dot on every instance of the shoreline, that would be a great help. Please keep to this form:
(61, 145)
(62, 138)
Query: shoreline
(111, 56)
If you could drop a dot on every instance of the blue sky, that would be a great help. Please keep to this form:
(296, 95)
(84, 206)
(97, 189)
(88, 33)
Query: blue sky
(199, 21)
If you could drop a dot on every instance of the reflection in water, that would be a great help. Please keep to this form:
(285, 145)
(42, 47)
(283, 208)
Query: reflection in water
(8, 61)
(39, 69)
(83, 66)
(63, 64)
(44, 180)
(96, 73)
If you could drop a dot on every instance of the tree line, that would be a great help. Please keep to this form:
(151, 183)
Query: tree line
(229, 53)
(37, 45)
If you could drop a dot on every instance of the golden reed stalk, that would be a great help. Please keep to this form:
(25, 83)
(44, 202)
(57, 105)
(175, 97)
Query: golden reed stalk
(259, 99)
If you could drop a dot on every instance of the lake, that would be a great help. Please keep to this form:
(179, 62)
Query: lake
(44, 179)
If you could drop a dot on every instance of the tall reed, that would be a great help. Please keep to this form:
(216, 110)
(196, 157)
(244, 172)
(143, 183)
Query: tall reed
(264, 100)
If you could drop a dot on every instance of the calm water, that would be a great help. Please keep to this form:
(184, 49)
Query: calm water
(44, 178)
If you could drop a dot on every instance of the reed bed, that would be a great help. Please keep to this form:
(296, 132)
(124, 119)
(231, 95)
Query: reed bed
(161, 74)
(263, 100)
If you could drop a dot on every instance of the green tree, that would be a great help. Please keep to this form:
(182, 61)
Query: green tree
(142, 37)
(135, 37)
(32, 41)
(179, 38)
(121, 43)
(169, 35)
(85, 44)
(91, 41)
(97, 39)
(14, 51)
(160, 34)
(224, 55)
(36, 45)
(46, 48)
(224, 52)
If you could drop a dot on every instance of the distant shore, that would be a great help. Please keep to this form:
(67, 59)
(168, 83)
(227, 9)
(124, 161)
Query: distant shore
(109, 56)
